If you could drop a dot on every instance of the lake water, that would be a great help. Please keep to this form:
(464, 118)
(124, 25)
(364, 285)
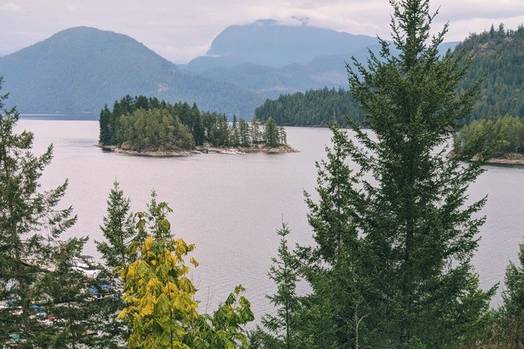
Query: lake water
(230, 205)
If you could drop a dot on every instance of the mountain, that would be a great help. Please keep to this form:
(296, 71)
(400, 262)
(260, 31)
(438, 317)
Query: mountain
(78, 70)
(497, 58)
(81, 69)
(270, 43)
(270, 58)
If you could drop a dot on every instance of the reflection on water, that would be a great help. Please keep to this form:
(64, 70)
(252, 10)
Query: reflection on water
(230, 205)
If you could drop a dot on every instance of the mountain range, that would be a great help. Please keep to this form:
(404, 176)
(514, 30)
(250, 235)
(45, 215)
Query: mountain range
(80, 69)
(497, 58)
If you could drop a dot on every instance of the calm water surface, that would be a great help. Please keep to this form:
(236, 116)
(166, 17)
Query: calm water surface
(230, 205)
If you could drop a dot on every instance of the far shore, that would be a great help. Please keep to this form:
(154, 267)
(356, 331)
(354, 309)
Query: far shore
(510, 159)
(282, 149)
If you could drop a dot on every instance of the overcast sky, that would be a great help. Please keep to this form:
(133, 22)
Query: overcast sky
(182, 29)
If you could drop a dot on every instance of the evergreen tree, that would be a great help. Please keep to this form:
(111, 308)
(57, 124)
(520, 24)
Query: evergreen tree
(72, 306)
(419, 232)
(337, 306)
(245, 137)
(31, 224)
(119, 232)
(256, 134)
(284, 273)
(105, 126)
(512, 312)
(235, 133)
(271, 134)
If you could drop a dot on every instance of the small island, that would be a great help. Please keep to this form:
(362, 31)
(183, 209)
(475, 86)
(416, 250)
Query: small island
(499, 140)
(146, 126)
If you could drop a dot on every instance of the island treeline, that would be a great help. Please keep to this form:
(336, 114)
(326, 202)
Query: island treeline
(496, 61)
(148, 124)
(499, 137)
(312, 108)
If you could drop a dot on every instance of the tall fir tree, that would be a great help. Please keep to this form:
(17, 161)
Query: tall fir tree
(31, 223)
(271, 133)
(256, 133)
(333, 267)
(245, 137)
(235, 133)
(119, 232)
(72, 300)
(420, 233)
(284, 272)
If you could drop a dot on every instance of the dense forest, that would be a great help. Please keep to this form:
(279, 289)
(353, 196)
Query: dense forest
(493, 137)
(312, 108)
(143, 123)
(497, 57)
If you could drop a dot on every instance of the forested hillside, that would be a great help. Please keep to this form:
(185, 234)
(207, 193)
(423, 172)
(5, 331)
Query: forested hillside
(497, 60)
(78, 70)
(312, 108)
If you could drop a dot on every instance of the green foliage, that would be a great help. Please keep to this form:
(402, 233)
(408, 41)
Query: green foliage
(119, 233)
(497, 60)
(45, 299)
(490, 137)
(142, 123)
(512, 312)
(312, 108)
(153, 129)
(160, 298)
(282, 326)
(419, 232)
(272, 134)
(335, 268)
(391, 267)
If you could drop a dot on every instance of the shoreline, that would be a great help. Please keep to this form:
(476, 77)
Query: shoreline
(284, 149)
(510, 159)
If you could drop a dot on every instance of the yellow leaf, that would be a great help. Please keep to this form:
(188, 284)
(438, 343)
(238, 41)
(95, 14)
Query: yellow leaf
(193, 261)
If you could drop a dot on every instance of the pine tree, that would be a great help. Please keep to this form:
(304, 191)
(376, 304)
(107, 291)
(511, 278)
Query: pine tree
(333, 268)
(119, 232)
(106, 129)
(245, 137)
(73, 306)
(285, 274)
(31, 224)
(256, 136)
(420, 234)
(512, 312)
(271, 136)
(234, 133)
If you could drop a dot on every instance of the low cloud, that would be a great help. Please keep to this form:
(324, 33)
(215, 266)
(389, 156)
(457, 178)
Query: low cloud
(180, 30)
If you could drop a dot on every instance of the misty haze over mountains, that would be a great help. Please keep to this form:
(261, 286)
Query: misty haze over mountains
(78, 70)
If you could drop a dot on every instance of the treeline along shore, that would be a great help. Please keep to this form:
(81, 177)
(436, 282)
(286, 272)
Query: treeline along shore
(150, 127)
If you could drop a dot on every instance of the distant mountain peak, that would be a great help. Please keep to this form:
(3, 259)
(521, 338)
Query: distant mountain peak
(277, 43)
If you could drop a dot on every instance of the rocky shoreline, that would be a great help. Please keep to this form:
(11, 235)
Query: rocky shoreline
(283, 149)
(510, 159)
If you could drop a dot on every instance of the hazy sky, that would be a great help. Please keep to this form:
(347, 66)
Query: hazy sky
(182, 29)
